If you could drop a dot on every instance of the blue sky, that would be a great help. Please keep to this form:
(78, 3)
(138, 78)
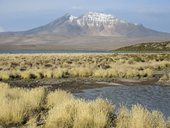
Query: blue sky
(17, 15)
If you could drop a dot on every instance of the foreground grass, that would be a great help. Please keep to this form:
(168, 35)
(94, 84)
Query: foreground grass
(17, 104)
(56, 66)
(39, 108)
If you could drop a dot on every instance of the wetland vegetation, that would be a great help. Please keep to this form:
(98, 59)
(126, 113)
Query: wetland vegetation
(56, 66)
(41, 108)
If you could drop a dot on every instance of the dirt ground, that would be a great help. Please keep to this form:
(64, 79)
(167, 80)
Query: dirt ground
(79, 84)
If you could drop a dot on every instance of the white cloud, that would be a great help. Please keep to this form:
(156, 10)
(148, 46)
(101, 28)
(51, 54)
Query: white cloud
(1, 29)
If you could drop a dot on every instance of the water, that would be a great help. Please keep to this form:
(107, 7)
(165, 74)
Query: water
(151, 97)
(53, 51)
(68, 51)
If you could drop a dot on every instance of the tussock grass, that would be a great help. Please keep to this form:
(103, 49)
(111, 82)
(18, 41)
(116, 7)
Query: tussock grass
(4, 75)
(47, 73)
(59, 73)
(39, 66)
(17, 103)
(139, 117)
(80, 114)
(101, 73)
(81, 72)
(58, 97)
(69, 112)
(165, 78)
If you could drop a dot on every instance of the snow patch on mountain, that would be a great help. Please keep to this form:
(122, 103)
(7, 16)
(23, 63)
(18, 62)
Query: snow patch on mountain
(71, 18)
(94, 19)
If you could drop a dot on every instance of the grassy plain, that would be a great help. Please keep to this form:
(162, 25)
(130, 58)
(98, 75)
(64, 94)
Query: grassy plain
(56, 66)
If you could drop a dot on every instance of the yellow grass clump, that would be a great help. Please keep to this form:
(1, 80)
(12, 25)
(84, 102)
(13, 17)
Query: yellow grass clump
(68, 112)
(101, 73)
(81, 72)
(4, 75)
(165, 77)
(58, 97)
(17, 103)
(74, 113)
(25, 75)
(47, 73)
(139, 117)
(59, 73)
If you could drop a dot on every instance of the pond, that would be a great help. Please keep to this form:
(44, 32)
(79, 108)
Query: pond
(151, 97)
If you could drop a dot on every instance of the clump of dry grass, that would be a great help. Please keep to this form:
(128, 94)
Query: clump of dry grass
(17, 103)
(61, 116)
(165, 78)
(74, 113)
(139, 117)
(100, 73)
(4, 75)
(80, 72)
(68, 112)
(29, 74)
(47, 73)
(25, 75)
(58, 97)
(59, 73)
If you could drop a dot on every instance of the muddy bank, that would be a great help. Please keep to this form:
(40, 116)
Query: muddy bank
(68, 84)
(78, 84)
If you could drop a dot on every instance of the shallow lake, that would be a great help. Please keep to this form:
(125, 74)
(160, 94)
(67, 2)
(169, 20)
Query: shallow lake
(151, 97)
(66, 51)
(53, 51)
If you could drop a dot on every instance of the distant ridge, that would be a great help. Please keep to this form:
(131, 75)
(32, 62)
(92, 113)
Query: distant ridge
(151, 46)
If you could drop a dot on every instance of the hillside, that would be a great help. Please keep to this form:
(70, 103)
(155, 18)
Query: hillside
(151, 46)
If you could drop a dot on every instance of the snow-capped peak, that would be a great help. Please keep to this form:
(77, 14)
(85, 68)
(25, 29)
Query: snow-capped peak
(99, 16)
(97, 19)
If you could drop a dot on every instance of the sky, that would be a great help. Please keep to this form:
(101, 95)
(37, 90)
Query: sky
(19, 15)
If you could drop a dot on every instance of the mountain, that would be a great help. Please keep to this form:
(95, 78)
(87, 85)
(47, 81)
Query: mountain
(96, 24)
(89, 31)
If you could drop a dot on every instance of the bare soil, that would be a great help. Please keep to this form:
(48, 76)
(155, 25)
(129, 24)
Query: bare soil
(79, 84)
